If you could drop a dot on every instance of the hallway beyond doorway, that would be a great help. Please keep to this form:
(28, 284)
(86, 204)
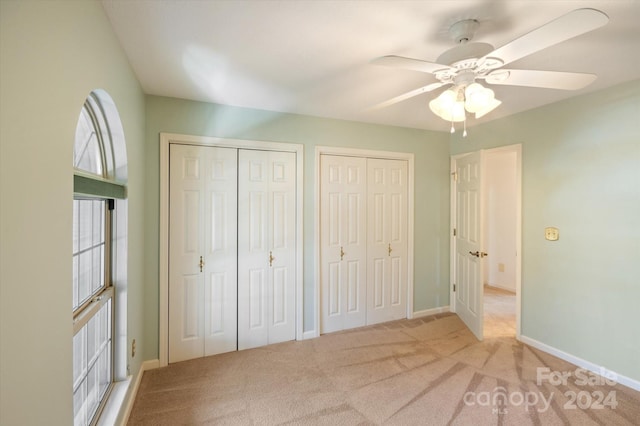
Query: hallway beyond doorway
(499, 312)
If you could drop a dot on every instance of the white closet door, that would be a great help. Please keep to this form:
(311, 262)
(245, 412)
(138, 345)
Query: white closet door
(386, 240)
(266, 247)
(343, 192)
(202, 251)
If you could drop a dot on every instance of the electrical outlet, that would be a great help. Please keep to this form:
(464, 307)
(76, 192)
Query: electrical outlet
(133, 348)
(551, 234)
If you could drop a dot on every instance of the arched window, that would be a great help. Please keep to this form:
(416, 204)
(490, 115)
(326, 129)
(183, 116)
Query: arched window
(99, 161)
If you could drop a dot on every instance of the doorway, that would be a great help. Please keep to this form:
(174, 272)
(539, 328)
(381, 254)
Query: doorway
(486, 239)
(500, 219)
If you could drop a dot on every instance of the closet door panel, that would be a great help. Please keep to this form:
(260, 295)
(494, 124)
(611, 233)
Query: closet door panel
(253, 253)
(282, 243)
(387, 242)
(202, 251)
(343, 242)
(266, 247)
(219, 269)
(185, 282)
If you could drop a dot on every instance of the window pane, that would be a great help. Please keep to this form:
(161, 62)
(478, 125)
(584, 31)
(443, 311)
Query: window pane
(79, 406)
(103, 128)
(76, 286)
(89, 249)
(97, 269)
(85, 219)
(93, 332)
(79, 357)
(98, 221)
(92, 392)
(92, 364)
(87, 154)
(104, 370)
(75, 225)
(84, 277)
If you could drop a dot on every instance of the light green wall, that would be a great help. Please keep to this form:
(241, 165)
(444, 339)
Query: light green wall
(52, 54)
(431, 151)
(581, 174)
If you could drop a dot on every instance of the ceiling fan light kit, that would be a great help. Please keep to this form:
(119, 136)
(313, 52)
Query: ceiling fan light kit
(469, 61)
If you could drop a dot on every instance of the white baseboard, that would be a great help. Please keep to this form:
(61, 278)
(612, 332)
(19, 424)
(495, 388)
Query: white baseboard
(432, 311)
(587, 365)
(131, 397)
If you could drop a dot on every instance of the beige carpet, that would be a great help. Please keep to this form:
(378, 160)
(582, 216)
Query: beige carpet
(427, 371)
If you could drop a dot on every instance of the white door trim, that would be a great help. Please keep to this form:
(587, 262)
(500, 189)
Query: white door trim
(165, 140)
(517, 148)
(354, 152)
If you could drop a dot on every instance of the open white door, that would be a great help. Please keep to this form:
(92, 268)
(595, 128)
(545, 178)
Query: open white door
(468, 252)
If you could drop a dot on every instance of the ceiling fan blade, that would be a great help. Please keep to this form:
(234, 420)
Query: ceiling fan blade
(409, 64)
(572, 24)
(546, 79)
(405, 96)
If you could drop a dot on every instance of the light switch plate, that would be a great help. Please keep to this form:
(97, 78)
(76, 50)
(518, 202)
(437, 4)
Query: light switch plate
(551, 234)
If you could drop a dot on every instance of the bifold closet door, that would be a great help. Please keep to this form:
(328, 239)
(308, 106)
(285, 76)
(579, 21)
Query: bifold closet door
(266, 247)
(343, 253)
(202, 251)
(387, 191)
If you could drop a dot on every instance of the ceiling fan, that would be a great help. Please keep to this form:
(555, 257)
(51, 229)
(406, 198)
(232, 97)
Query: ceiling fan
(464, 64)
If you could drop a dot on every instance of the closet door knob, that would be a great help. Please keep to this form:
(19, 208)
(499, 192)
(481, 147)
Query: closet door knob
(342, 253)
(271, 258)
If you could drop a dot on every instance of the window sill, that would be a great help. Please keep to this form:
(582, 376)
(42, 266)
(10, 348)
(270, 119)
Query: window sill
(115, 403)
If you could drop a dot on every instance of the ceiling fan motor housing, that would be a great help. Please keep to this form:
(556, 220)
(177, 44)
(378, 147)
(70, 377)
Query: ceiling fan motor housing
(463, 31)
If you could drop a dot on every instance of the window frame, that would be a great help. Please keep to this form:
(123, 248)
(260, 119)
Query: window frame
(96, 180)
(89, 309)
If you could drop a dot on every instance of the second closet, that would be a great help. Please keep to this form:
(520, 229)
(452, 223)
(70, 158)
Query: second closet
(363, 240)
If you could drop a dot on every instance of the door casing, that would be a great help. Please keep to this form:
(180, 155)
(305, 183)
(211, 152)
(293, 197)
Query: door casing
(166, 139)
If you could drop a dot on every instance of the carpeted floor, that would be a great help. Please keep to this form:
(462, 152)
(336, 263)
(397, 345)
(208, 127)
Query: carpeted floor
(426, 371)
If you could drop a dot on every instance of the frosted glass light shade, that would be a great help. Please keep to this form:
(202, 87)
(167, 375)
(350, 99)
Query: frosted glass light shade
(478, 98)
(451, 104)
(447, 107)
(491, 105)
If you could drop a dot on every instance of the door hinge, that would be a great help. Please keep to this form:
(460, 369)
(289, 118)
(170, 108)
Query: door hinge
(455, 176)
(455, 232)
(454, 288)
(111, 204)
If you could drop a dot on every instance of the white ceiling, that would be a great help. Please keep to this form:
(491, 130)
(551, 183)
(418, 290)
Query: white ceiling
(312, 56)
